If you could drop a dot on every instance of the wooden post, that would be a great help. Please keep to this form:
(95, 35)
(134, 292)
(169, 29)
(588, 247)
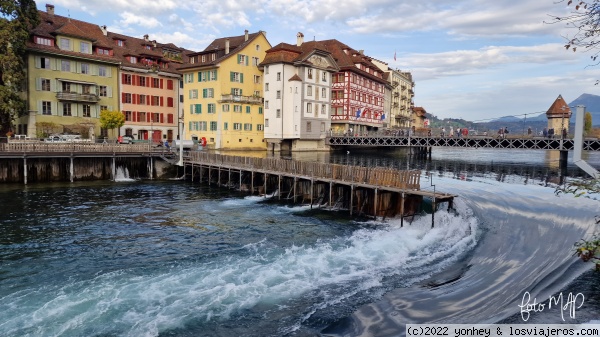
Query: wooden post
(71, 168)
(252, 184)
(265, 183)
(295, 181)
(402, 210)
(219, 179)
(25, 170)
(279, 188)
(330, 194)
(229, 178)
(311, 192)
(151, 168)
(240, 180)
(209, 174)
(375, 203)
(114, 168)
(351, 198)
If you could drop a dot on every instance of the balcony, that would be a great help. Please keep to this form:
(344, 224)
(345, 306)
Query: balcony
(77, 97)
(241, 99)
(395, 105)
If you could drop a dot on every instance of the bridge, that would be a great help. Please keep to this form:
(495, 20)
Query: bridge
(424, 141)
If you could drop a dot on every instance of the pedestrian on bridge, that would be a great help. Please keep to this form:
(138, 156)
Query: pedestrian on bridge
(545, 132)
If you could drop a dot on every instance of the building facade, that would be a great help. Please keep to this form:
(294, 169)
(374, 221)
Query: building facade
(149, 83)
(72, 75)
(400, 101)
(559, 116)
(223, 93)
(297, 91)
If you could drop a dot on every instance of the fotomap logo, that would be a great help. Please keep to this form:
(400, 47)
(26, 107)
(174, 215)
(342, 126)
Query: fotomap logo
(570, 305)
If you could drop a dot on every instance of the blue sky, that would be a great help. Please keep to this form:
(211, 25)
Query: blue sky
(471, 59)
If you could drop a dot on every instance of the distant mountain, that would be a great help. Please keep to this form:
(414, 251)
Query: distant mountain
(592, 105)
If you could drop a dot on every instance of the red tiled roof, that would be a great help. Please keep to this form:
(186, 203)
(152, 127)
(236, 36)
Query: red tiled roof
(559, 108)
(419, 111)
(295, 78)
(345, 57)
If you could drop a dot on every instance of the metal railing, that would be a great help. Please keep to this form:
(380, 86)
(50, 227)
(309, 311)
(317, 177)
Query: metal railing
(73, 96)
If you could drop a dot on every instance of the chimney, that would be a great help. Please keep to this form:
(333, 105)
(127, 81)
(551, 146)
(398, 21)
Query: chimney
(50, 9)
(104, 31)
(226, 46)
(299, 39)
(246, 35)
(146, 37)
(154, 43)
(362, 52)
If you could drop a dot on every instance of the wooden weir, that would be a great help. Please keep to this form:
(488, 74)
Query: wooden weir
(369, 191)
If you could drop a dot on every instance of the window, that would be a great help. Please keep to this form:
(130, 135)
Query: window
(46, 108)
(237, 108)
(66, 87)
(208, 93)
(322, 126)
(323, 109)
(127, 116)
(309, 107)
(203, 58)
(132, 59)
(212, 108)
(87, 110)
(278, 94)
(242, 59)
(236, 77)
(324, 76)
(102, 51)
(236, 91)
(278, 114)
(259, 127)
(45, 84)
(196, 108)
(237, 126)
(267, 70)
(155, 83)
(126, 79)
(255, 60)
(155, 100)
(225, 107)
(86, 89)
(170, 102)
(266, 104)
(169, 84)
(266, 86)
(142, 81)
(267, 122)
(43, 41)
(126, 98)
(44, 63)
(213, 126)
(85, 68)
(188, 78)
(119, 43)
(102, 71)
(247, 109)
(256, 79)
(65, 65)
(84, 47)
(247, 127)
(103, 108)
(256, 93)
(309, 90)
(279, 76)
(309, 71)
(225, 126)
(260, 110)
(66, 109)
(323, 93)
(142, 100)
(194, 93)
(65, 44)
(308, 126)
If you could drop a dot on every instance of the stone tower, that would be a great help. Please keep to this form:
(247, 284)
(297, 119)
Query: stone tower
(559, 115)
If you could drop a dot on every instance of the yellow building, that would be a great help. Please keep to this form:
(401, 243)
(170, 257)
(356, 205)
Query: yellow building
(72, 76)
(223, 99)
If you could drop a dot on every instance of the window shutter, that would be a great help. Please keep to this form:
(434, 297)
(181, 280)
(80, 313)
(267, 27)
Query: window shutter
(238, 58)
(199, 108)
(134, 98)
(109, 91)
(162, 101)
(247, 60)
(191, 108)
(108, 71)
(52, 86)
(38, 84)
(190, 94)
(204, 93)
(190, 126)
(161, 83)
(241, 78)
(123, 97)
(38, 62)
(162, 117)
(123, 78)
(199, 76)
(240, 92)
(39, 107)
(169, 84)
(231, 76)
(233, 91)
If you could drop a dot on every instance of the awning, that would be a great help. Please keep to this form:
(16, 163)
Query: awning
(76, 81)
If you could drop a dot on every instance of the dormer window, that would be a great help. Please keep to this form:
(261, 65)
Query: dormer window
(192, 60)
(148, 47)
(213, 56)
(102, 51)
(132, 59)
(44, 41)
(203, 58)
(120, 43)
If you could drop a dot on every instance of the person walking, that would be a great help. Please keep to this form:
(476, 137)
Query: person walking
(451, 131)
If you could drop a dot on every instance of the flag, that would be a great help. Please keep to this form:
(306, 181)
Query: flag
(394, 55)
(382, 116)
(357, 113)
(364, 112)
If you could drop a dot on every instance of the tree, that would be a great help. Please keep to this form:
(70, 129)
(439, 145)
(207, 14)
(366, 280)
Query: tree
(587, 123)
(111, 119)
(17, 18)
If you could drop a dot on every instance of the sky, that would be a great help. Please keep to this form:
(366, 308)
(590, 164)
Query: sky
(471, 59)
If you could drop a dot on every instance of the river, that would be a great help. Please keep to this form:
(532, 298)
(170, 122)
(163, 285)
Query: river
(174, 258)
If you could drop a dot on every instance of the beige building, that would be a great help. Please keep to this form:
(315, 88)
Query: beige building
(399, 101)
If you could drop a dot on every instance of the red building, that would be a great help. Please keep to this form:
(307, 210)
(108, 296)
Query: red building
(358, 89)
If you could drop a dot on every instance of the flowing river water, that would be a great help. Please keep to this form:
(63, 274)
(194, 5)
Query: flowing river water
(174, 258)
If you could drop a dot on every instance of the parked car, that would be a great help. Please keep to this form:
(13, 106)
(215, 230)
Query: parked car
(54, 139)
(125, 140)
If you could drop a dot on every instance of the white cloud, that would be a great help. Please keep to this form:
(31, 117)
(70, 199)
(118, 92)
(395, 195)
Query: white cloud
(129, 19)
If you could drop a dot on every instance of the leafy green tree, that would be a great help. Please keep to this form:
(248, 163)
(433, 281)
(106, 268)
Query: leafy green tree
(17, 18)
(587, 123)
(111, 119)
